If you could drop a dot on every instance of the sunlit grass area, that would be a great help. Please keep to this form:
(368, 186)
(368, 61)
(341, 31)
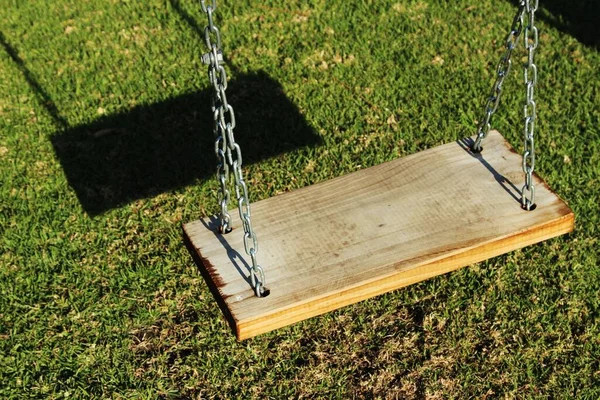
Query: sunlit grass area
(106, 148)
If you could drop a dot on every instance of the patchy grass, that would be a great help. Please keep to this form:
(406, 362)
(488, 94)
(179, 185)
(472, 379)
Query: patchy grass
(105, 149)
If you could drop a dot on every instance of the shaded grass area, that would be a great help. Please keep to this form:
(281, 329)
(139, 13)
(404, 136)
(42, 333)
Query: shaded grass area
(105, 149)
(154, 148)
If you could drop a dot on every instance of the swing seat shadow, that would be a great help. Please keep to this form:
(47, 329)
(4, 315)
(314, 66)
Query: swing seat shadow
(160, 147)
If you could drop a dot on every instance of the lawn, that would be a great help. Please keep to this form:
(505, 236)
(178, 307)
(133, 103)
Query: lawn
(106, 149)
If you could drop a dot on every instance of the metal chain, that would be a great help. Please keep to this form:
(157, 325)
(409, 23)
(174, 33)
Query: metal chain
(228, 152)
(530, 74)
(502, 72)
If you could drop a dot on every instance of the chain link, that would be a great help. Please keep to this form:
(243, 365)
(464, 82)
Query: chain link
(502, 71)
(530, 73)
(228, 152)
(527, 8)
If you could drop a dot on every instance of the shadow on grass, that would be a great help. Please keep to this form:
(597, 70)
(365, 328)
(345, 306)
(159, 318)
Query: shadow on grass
(578, 18)
(159, 147)
(41, 94)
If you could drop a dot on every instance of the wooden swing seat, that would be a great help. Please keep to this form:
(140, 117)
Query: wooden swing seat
(372, 231)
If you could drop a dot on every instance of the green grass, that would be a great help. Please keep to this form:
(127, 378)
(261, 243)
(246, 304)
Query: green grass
(98, 296)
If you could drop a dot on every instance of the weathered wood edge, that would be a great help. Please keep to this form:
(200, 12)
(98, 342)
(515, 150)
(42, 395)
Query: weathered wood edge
(248, 329)
(202, 266)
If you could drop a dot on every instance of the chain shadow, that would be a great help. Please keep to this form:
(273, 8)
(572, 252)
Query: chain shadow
(43, 97)
(204, 266)
(191, 21)
(466, 144)
(160, 147)
(237, 260)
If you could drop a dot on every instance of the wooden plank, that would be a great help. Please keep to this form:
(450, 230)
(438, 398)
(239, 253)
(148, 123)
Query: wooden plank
(372, 231)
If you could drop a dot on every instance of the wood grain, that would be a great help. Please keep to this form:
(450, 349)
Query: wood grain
(379, 229)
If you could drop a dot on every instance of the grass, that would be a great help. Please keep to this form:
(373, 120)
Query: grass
(105, 150)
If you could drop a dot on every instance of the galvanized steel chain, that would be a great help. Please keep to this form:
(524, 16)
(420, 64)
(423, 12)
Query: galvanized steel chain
(502, 72)
(530, 74)
(228, 152)
(527, 8)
